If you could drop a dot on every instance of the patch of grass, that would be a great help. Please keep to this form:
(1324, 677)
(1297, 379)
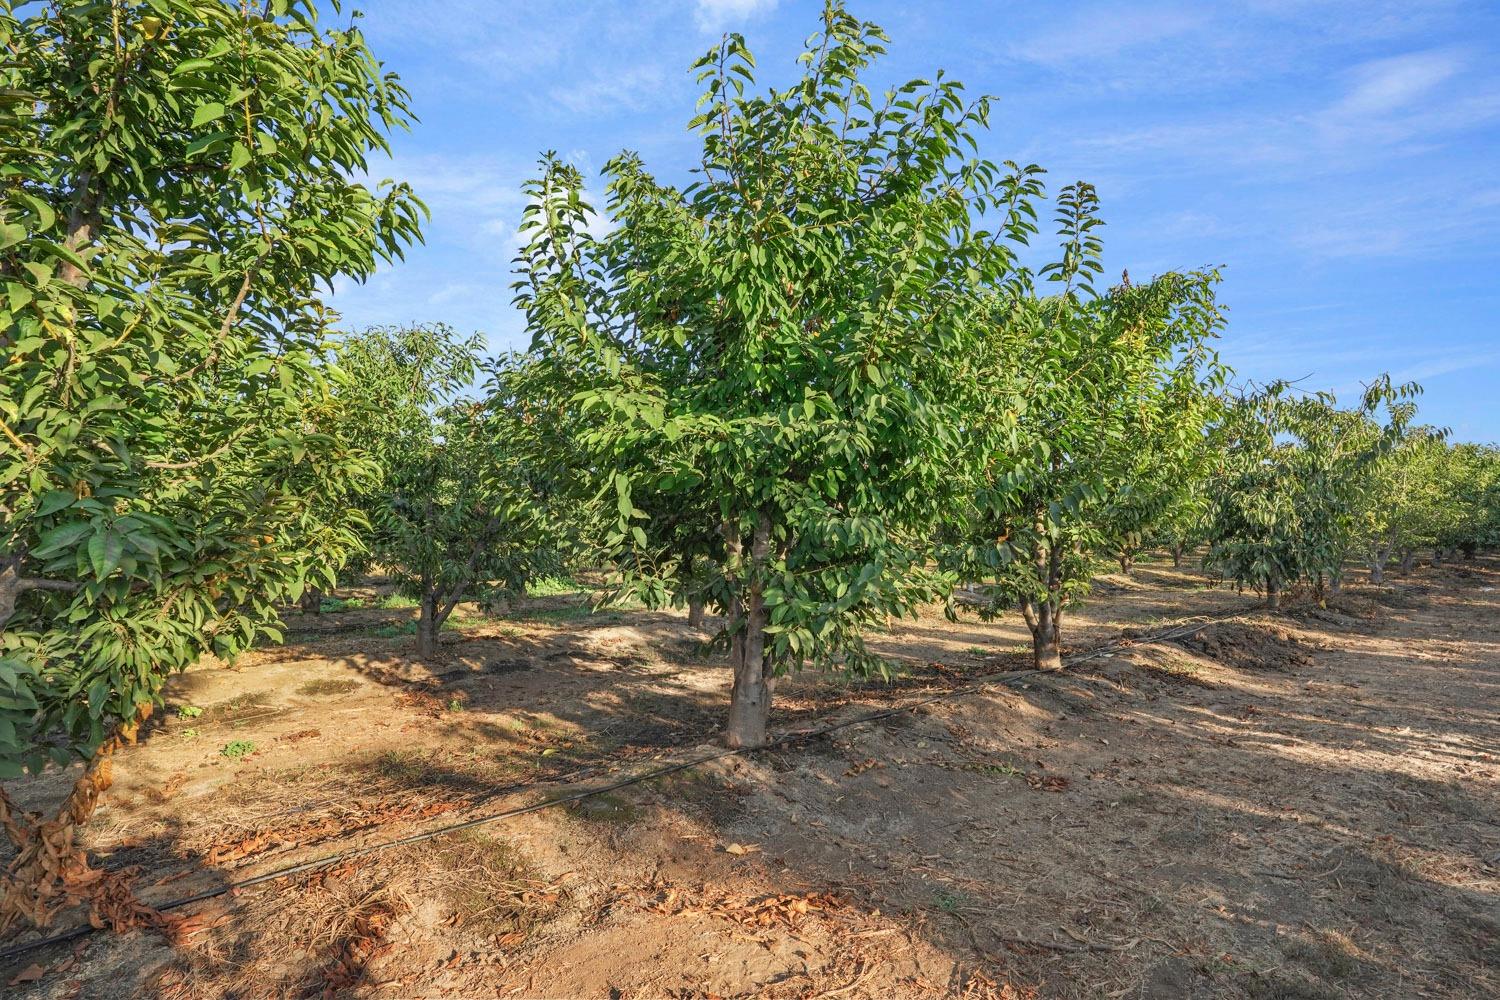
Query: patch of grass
(409, 767)
(189, 734)
(996, 770)
(498, 891)
(188, 711)
(1330, 955)
(237, 749)
(237, 707)
(570, 613)
(331, 605)
(395, 601)
(328, 686)
(977, 651)
(392, 631)
(553, 586)
(604, 808)
(699, 792)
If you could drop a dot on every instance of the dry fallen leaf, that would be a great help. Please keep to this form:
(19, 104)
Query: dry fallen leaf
(30, 974)
(740, 849)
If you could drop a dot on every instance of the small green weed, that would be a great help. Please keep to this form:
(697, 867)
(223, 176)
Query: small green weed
(188, 711)
(947, 901)
(977, 651)
(237, 749)
(189, 734)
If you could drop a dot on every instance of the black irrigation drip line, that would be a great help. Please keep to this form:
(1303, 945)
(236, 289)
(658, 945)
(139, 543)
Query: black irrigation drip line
(1198, 623)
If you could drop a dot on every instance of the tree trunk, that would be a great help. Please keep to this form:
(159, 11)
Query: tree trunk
(1273, 593)
(1408, 561)
(695, 612)
(427, 625)
(1177, 557)
(1045, 622)
(750, 698)
(312, 601)
(1126, 563)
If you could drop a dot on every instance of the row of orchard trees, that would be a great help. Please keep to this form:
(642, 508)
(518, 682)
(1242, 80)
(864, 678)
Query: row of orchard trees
(816, 387)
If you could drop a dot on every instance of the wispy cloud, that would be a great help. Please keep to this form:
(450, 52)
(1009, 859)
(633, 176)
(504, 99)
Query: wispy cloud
(1381, 86)
(1095, 34)
(634, 89)
(716, 15)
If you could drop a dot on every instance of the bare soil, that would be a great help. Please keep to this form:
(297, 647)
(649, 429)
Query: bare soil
(1297, 805)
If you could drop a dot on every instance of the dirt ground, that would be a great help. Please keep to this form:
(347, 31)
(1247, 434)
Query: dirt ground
(1304, 805)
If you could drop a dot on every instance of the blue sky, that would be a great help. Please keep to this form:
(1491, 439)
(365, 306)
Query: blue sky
(1340, 158)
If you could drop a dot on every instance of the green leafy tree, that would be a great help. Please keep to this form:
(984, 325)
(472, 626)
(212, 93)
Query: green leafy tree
(1470, 515)
(1294, 475)
(1082, 404)
(462, 511)
(175, 184)
(768, 352)
(1405, 504)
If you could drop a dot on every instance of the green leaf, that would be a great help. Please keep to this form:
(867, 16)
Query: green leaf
(212, 111)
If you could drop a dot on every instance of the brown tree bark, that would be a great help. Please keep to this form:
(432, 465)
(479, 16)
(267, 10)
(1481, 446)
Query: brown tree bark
(750, 698)
(427, 623)
(1045, 622)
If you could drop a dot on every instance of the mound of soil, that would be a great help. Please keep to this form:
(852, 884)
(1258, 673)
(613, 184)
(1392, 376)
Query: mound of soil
(1249, 646)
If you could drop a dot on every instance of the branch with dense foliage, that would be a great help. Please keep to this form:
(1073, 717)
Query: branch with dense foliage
(175, 187)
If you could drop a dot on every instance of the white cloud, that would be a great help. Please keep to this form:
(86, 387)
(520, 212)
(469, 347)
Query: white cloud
(716, 15)
(634, 89)
(1382, 86)
(1098, 34)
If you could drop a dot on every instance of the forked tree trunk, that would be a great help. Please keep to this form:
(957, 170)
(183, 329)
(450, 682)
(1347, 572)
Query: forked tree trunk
(1408, 561)
(750, 698)
(312, 601)
(1127, 562)
(1045, 622)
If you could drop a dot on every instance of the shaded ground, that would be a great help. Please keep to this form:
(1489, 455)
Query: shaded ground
(1301, 805)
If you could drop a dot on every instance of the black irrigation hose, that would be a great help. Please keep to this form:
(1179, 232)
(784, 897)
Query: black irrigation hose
(797, 736)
